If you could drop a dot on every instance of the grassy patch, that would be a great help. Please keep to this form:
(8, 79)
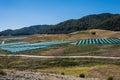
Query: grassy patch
(36, 63)
(99, 71)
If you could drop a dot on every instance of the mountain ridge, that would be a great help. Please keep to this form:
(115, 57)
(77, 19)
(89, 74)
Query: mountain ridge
(106, 21)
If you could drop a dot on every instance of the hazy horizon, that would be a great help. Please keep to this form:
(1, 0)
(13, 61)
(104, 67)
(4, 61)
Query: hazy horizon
(16, 14)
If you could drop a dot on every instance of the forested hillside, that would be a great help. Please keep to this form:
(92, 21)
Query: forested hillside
(105, 21)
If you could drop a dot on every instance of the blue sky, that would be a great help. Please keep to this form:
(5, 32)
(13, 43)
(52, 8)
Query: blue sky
(16, 14)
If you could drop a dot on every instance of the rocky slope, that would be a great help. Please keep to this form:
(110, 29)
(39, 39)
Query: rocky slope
(23, 75)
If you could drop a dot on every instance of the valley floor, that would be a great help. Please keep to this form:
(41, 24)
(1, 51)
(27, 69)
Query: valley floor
(97, 62)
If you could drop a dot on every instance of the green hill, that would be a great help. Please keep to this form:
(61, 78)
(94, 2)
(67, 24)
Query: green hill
(105, 21)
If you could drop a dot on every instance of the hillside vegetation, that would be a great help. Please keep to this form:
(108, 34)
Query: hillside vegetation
(105, 21)
(95, 68)
(86, 34)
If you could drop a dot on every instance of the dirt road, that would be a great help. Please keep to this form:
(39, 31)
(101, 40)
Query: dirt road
(34, 56)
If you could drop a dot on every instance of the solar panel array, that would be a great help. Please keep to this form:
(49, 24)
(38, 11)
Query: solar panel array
(23, 46)
(98, 41)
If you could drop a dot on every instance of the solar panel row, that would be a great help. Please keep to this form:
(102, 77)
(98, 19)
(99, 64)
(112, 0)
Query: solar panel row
(24, 46)
(98, 41)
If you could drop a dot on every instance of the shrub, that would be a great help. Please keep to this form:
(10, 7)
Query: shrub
(82, 75)
(62, 73)
(2, 72)
(110, 78)
(68, 63)
(93, 33)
